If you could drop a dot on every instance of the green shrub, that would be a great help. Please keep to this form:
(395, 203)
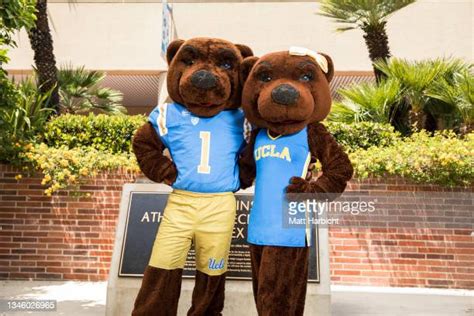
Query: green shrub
(8, 92)
(101, 132)
(441, 159)
(363, 135)
(63, 167)
(23, 120)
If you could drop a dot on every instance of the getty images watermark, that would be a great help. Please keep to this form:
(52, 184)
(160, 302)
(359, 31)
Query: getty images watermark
(395, 209)
(302, 210)
(27, 305)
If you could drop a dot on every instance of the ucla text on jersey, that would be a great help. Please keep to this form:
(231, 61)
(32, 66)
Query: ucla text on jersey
(277, 160)
(204, 149)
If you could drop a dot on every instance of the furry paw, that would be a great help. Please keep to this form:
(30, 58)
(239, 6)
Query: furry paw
(312, 170)
(246, 179)
(171, 174)
(297, 185)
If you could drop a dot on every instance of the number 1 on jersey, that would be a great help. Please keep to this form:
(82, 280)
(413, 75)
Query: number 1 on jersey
(205, 150)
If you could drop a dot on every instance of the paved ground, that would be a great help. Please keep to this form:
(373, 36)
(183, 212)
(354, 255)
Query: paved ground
(88, 299)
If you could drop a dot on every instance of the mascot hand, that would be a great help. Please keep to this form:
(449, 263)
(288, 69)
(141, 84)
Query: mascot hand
(298, 185)
(170, 174)
(246, 178)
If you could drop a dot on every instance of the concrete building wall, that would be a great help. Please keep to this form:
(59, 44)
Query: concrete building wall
(126, 35)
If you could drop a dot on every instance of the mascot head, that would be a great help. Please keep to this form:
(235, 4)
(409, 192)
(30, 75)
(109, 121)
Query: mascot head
(203, 74)
(285, 91)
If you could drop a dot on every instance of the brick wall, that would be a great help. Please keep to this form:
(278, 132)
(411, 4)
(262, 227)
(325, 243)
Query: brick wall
(71, 235)
(67, 236)
(425, 242)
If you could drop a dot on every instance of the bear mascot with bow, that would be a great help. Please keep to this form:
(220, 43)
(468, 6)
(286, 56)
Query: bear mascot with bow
(285, 96)
(203, 131)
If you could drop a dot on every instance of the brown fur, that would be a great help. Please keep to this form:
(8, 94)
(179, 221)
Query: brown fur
(159, 293)
(280, 289)
(148, 149)
(221, 60)
(208, 295)
(312, 106)
(185, 58)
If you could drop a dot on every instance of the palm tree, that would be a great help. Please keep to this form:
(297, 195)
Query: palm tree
(417, 79)
(42, 44)
(367, 102)
(80, 92)
(368, 15)
(459, 95)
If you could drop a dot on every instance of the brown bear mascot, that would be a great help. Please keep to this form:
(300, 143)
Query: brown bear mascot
(203, 130)
(286, 95)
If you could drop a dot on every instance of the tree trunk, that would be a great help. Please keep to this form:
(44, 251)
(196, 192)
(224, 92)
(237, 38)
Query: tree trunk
(431, 124)
(42, 44)
(376, 40)
(400, 116)
(417, 119)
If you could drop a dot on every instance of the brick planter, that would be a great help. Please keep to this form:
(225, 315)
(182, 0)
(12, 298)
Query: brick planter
(402, 254)
(70, 236)
(67, 236)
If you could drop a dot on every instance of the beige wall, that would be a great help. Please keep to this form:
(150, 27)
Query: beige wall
(127, 35)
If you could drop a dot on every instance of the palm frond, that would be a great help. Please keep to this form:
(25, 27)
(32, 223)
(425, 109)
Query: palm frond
(367, 102)
(458, 94)
(81, 92)
(416, 77)
(361, 12)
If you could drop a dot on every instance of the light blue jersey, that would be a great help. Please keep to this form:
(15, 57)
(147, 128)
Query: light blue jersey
(204, 150)
(277, 160)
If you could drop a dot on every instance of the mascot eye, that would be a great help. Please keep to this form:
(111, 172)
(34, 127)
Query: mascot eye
(265, 77)
(306, 77)
(188, 62)
(226, 65)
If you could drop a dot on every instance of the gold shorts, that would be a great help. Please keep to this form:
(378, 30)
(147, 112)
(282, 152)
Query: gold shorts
(205, 219)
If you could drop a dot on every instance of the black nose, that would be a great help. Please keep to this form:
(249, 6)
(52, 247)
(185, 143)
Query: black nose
(203, 79)
(285, 94)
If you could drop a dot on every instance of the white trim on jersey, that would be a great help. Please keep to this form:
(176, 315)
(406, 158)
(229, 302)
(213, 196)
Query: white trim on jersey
(161, 119)
(308, 224)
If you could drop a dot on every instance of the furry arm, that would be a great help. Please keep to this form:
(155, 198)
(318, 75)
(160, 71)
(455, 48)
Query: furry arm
(149, 149)
(247, 166)
(336, 167)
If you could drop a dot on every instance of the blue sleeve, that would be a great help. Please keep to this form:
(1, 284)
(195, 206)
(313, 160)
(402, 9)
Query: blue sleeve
(159, 120)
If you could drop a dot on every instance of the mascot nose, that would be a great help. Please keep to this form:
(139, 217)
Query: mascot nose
(285, 94)
(203, 79)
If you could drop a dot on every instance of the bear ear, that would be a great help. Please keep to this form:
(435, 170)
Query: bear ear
(245, 51)
(173, 49)
(330, 74)
(246, 67)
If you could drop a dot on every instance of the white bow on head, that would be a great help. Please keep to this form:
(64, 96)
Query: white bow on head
(320, 59)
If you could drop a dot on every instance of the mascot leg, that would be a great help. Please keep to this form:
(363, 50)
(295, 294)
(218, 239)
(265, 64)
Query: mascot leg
(161, 286)
(280, 275)
(208, 295)
(152, 300)
(213, 235)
